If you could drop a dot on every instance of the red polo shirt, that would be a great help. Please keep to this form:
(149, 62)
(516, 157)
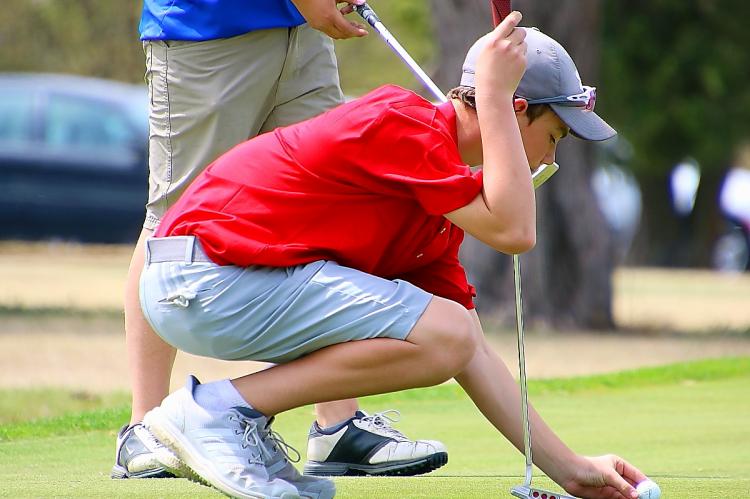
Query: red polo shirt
(365, 185)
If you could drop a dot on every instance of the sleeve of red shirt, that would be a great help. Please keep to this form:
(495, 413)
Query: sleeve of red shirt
(408, 151)
(445, 277)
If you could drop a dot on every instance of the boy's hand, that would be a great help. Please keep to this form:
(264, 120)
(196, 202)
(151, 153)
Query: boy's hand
(503, 60)
(609, 477)
(325, 16)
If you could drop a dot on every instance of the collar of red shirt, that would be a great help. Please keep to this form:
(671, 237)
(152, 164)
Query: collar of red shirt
(447, 110)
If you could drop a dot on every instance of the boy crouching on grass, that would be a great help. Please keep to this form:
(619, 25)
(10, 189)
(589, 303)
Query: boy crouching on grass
(330, 248)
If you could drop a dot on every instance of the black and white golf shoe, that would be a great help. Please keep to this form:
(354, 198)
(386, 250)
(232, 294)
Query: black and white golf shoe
(140, 455)
(369, 445)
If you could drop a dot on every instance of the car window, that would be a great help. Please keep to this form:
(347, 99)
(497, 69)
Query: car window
(76, 121)
(16, 115)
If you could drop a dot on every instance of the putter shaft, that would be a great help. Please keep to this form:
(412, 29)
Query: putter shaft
(540, 176)
(522, 371)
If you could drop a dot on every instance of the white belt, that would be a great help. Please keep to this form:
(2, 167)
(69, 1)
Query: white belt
(175, 249)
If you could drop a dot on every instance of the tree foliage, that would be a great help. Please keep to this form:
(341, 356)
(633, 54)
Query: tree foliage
(676, 79)
(675, 84)
(86, 37)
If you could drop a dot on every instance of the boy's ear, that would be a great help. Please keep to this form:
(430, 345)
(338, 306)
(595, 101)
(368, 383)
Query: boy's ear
(520, 105)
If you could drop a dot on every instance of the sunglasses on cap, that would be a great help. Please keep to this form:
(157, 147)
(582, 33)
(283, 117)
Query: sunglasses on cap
(586, 99)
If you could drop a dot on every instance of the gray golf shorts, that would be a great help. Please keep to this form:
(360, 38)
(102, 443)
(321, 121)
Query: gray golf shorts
(271, 314)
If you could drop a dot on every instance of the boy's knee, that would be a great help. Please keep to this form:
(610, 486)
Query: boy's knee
(460, 339)
(450, 337)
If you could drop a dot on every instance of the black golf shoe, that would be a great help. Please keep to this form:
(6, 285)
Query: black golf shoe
(369, 445)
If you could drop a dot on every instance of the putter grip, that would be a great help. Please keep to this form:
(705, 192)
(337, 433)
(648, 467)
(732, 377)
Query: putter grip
(500, 10)
(367, 14)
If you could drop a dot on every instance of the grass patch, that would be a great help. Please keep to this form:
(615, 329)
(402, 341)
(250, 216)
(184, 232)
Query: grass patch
(20, 405)
(687, 430)
(702, 370)
(79, 411)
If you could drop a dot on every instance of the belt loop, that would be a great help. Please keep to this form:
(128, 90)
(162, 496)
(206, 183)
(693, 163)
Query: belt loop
(148, 251)
(190, 242)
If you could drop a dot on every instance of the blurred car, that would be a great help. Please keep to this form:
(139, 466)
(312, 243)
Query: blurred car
(73, 158)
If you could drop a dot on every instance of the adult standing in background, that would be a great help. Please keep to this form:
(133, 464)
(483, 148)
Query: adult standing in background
(220, 72)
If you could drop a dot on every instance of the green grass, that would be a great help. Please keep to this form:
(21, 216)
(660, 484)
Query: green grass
(685, 425)
(23, 405)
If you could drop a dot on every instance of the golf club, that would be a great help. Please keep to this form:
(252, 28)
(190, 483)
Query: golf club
(540, 176)
(526, 491)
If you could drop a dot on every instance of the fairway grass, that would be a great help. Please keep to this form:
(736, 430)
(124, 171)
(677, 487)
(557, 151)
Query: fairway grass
(685, 425)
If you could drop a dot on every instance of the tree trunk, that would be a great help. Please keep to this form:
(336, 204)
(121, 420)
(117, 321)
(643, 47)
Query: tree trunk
(566, 279)
(458, 24)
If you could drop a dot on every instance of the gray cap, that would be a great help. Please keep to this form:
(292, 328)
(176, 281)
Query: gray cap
(551, 77)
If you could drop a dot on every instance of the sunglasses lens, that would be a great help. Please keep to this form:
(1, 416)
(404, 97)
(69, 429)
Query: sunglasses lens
(591, 102)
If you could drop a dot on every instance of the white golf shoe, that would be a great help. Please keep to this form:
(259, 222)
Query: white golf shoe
(139, 455)
(223, 449)
(369, 445)
(278, 463)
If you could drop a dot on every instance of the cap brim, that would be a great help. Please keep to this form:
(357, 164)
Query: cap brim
(584, 124)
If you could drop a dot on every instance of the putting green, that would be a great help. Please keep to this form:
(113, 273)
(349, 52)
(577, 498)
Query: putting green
(689, 432)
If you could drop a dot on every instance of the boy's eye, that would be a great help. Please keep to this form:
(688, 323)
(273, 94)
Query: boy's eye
(552, 138)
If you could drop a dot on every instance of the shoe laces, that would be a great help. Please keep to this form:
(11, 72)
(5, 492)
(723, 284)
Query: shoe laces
(382, 422)
(250, 439)
(279, 445)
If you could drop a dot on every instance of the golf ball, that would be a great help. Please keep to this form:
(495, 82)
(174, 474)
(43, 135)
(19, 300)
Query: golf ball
(648, 490)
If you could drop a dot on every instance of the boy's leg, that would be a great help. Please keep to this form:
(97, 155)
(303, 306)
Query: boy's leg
(438, 347)
(150, 359)
(198, 307)
(332, 413)
(203, 308)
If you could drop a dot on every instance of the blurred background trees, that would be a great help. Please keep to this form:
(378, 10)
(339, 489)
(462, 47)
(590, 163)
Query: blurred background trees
(672, 78)
(85, 37)
(676, 81)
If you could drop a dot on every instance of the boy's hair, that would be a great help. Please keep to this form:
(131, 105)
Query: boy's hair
(467, 95)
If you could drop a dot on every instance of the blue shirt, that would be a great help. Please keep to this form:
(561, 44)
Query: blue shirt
(199, 20)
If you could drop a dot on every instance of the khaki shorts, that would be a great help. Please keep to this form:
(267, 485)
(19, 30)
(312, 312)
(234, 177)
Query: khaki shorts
(207, 97)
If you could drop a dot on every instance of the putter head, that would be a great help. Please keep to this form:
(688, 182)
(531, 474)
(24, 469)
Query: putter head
(543, 173)
(526, 492)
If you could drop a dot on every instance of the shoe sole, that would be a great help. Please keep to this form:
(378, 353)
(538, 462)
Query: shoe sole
(197, 470)
(171, 463)
(323, 494)
(401, 468)
(120, 473)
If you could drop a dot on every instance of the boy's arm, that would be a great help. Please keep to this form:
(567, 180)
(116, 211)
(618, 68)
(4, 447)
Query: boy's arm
(503, 215)
(495, 392)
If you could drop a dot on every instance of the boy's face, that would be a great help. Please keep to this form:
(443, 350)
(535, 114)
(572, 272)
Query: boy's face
(541, 136)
